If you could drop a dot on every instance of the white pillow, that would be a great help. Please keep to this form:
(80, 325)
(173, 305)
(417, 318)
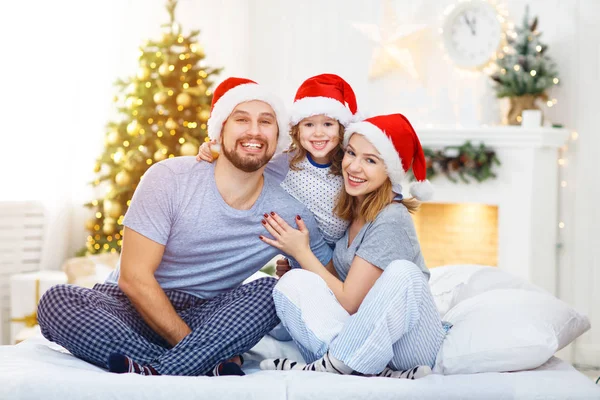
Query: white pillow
(451, 284)
(507, 330)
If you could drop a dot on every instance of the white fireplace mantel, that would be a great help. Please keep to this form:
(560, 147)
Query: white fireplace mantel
(525, 191)
(493, 136)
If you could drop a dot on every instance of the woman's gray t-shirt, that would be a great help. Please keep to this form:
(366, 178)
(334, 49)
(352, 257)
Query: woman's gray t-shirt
(391, 236)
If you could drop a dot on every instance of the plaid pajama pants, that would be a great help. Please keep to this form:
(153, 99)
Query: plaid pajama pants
(93, 323)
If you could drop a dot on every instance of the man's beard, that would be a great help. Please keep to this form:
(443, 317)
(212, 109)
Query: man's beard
(247, 163)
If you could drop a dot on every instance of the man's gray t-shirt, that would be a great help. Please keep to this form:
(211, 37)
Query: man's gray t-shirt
(210, 247)
(391, 236)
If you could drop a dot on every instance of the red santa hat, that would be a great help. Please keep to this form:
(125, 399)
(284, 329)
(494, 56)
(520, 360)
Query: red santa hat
(326, 94)
(396, 141)
(234, 91)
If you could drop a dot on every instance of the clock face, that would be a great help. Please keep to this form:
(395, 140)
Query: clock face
(472, 33)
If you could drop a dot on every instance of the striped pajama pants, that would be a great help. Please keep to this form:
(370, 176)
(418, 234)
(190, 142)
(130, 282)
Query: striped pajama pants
(93, 323)
(397, 323)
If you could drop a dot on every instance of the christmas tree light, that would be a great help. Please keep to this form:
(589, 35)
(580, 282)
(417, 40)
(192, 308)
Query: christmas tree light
(163, 112)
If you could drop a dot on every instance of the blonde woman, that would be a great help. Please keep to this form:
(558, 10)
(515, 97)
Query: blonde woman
(370, 310)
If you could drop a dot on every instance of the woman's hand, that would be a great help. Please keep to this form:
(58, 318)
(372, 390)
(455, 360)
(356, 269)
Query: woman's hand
(287, 239)
(282, 266)
(208, 151)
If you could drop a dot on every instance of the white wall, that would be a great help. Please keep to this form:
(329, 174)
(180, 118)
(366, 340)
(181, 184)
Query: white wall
(58, 71)
(581, 269)
(314, 36)
(294, 40)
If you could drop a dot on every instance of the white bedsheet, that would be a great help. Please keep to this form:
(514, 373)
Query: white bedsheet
(37, 369)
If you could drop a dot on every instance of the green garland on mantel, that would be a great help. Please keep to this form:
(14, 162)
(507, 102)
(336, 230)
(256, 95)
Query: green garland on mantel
(465, 162)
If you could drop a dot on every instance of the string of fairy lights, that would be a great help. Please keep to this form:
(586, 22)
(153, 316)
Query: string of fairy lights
(563, 163)
(565, 208)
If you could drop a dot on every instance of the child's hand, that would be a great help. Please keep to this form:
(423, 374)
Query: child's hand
(282, 266)
(289, 240)
(209, 151)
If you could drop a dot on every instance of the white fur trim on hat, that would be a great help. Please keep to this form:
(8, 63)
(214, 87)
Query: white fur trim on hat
(384, 146)
(243, 93)
(358, 116)
(422, 190)
(309, 106)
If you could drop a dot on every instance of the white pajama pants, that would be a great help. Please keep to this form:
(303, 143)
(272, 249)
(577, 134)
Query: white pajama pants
(397, 323)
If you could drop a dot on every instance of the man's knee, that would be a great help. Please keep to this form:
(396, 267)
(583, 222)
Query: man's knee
(261, 289)
(55, 295)
(53, 299)
(264, 284)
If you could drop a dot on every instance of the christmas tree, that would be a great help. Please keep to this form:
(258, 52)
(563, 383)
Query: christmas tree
(163, 111)
(524, 68)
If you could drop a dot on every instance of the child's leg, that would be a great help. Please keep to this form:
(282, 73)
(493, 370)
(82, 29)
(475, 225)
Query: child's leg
(397, 322)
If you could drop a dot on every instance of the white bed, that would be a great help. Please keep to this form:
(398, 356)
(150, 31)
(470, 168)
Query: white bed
(37, 369)
(501, 323)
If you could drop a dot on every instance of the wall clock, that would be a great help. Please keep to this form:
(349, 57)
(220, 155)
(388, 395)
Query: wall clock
(472, 32)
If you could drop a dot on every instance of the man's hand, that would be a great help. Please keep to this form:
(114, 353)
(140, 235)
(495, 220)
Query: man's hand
(282, 266)
(140, 257)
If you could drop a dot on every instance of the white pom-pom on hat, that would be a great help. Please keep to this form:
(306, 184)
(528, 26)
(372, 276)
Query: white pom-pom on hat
(422, 190)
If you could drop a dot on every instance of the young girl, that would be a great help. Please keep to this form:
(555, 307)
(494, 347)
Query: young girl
(375, 314)
(310, 170)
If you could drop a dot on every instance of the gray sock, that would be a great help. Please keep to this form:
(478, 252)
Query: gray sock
(414, 373)
(327, 363)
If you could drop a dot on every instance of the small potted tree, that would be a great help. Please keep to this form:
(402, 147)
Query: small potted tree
(523, 70)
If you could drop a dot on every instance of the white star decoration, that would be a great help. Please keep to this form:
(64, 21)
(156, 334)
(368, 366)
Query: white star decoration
(395, 44)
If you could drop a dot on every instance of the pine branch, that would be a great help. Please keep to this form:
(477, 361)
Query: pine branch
(523, 52)
(171, 5)
(533, 26)
(459, 163)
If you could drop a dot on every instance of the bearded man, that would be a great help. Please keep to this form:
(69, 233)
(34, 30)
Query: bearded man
(176, 304)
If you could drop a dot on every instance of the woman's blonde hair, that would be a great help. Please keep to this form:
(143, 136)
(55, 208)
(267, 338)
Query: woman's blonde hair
(299, 152)
(346, 206)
